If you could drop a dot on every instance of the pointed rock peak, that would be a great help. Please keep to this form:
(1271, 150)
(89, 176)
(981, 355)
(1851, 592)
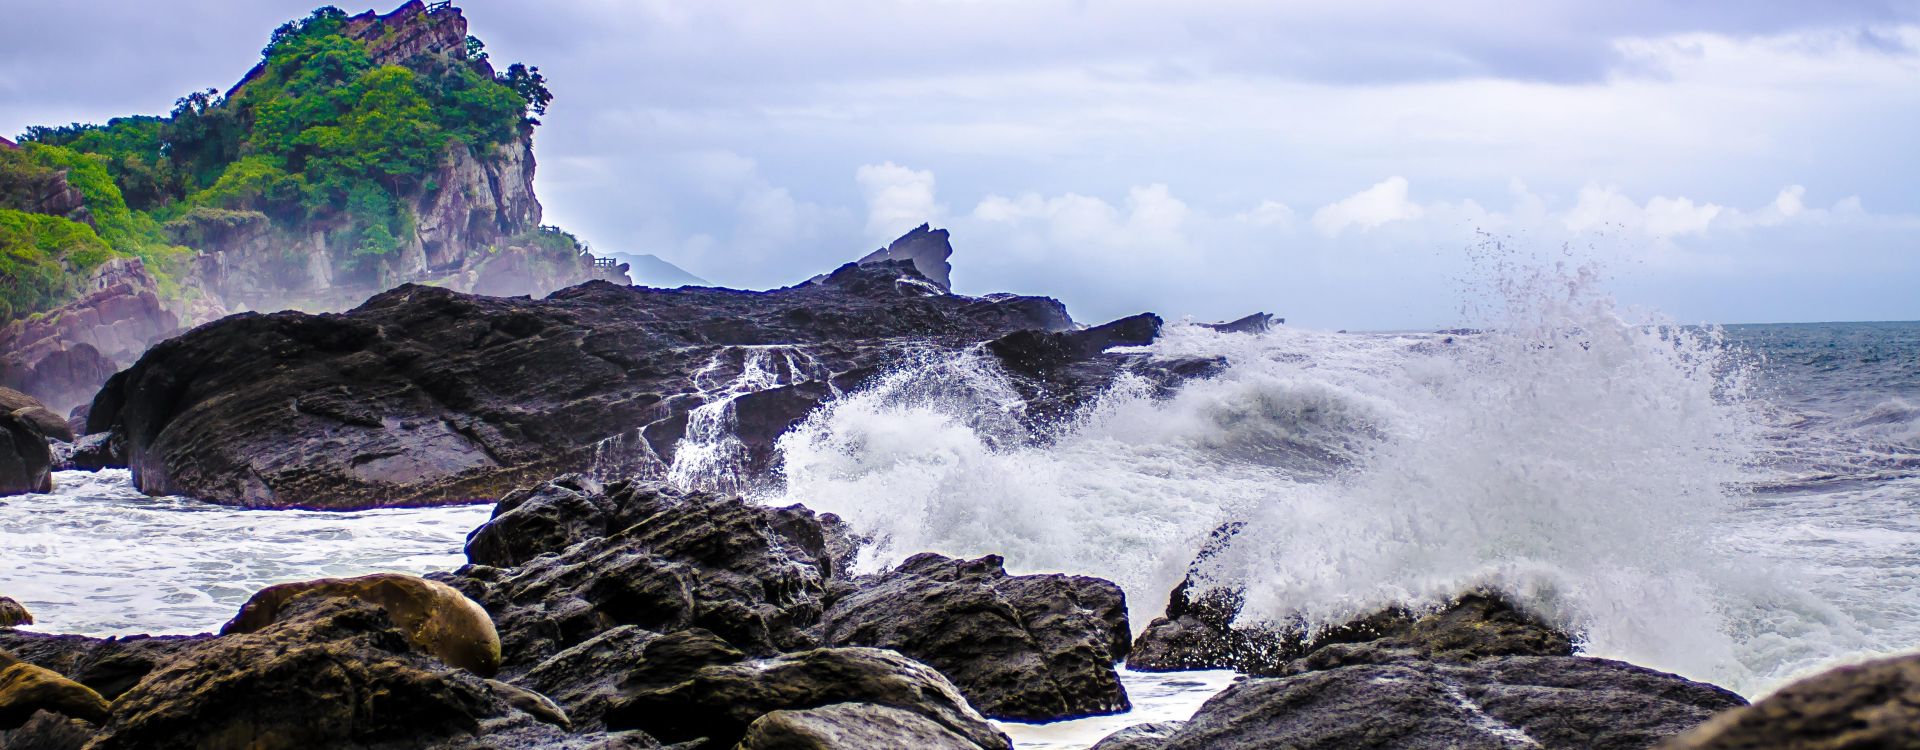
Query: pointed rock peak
(927, 248)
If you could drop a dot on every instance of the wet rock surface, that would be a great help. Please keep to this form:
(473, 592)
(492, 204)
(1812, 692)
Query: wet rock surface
(26, 462)
(1360, 696)
(1871, 705)
(720, 703)
(849, 725)
(1031, 648)
(424, 395)
(754, 575)
(26, 689)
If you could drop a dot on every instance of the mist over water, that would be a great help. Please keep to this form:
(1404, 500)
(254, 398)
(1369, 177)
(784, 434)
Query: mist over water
(1610, 471)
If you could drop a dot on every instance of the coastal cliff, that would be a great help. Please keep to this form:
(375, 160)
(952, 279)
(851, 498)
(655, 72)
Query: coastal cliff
(362, 152)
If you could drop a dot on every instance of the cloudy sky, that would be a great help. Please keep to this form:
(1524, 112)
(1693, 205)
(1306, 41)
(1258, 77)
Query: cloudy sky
(1338, 163)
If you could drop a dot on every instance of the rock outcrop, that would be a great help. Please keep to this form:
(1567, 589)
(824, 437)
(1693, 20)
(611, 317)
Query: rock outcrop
(756, 576)
(1871, 705)
(720, 703)
(849, 725)
(425, 395)
(28, 688)
(926, 248)
(63, 356)
(26, 463)
(1028, 648)
(1369, 697)
(335, 672)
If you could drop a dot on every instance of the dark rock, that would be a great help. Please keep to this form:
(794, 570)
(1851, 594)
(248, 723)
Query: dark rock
(1058, 372)
(589, 677)
(1151, 736)
(330, 672)
(1871, 705)
(926, 248)
(752, 574)
(110, 666)
(12, 613)
(1201, 629)
(26, 463)
(1256, 323)
(1200, 633)
(849, 725)
(29, 410)
(719, 703)
(1398, 699)
(1030, 648)
(92, 453)
(424, 395)
(436, 618)
(28, 688)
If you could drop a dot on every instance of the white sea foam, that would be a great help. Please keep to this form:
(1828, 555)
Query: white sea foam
(1588, 462)
(96, 557)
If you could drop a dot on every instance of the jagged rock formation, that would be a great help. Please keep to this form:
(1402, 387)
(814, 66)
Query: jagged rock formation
(1027, 648)
(426, 395)
(62, 357)
(927, 248)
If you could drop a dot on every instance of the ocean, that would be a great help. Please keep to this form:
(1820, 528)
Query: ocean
(1734, 504)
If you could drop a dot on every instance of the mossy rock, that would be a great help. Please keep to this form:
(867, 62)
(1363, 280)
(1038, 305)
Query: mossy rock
(25, 688)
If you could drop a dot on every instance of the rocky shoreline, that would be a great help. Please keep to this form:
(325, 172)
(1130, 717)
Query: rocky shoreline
(639, 615)
(620, 598)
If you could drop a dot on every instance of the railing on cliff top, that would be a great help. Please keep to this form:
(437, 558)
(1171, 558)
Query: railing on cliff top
(604, 263)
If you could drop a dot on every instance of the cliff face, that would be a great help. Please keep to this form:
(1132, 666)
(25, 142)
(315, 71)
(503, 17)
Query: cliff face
(474, 223)
(62, 357)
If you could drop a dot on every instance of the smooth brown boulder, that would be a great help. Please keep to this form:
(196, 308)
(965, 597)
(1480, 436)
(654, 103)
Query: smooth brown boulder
(436, 618)
(1871, 706)
(25, 689)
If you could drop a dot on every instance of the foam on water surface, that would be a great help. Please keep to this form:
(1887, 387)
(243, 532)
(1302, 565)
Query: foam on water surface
(97, 557)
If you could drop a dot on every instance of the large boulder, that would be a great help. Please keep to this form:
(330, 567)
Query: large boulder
(849, 725)
(1871, 705)
(720, 703)
(1029, 648)
(754, 575)
(1360, 696)
(26, 462)
(330, 672)
(435, 618)
(424, 395)
(29, 409)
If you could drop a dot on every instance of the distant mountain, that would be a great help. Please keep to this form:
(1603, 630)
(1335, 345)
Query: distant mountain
(652, 270)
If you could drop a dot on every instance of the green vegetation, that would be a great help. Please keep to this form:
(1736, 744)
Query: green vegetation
(43, 260)
(322, 139)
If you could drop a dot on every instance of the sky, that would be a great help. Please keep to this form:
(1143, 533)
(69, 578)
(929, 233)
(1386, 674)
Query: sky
(1341, 164)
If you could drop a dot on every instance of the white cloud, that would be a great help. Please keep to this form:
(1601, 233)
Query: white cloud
(1385, 202)
(1665, 217)
(898, 199)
